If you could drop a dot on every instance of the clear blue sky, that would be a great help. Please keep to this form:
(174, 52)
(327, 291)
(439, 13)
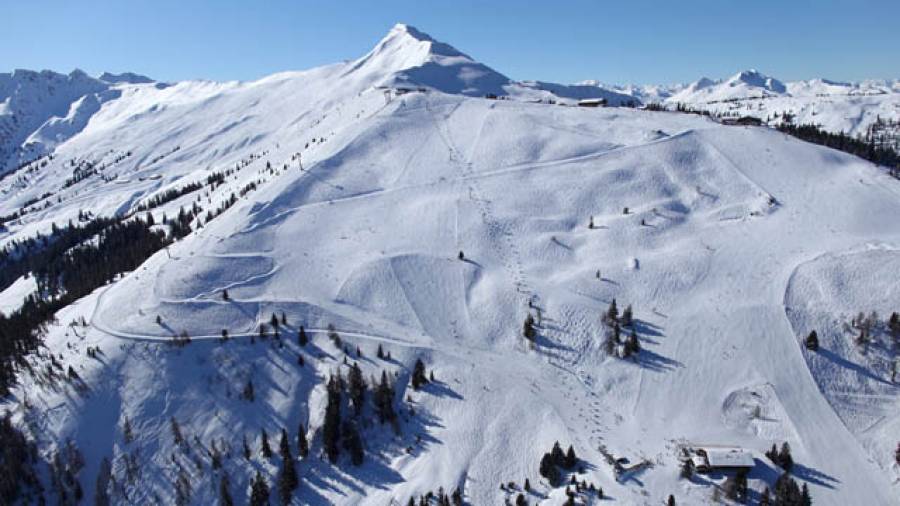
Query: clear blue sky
(561, 41)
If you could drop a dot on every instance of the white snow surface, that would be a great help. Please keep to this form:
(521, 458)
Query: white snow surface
(722, 242)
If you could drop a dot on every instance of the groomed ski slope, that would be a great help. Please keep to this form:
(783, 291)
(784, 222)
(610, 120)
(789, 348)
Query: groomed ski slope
(365, 237)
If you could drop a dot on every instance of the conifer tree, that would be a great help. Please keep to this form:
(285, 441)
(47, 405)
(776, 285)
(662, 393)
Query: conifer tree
(331, 428)
(176, 432)
(353, 443)
(287, 480)
(418, 375)
(805, 499)
(894, 328)
(264, 447)
(812, 341)
(549, 470)
(571, 459)
(301, 337)
(380, 353)
(259, 491)
(356, 388)
(384, 400)
(671, 500)
(224, 492)
(765, 499)
(528, 330)
(627, 316)
(632, 345)
(612, 313)
(786, 461)
(787, 492)
(559, 458)
(127, 432)
(246, 447)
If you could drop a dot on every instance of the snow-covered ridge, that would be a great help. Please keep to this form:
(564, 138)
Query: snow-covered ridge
(850, 107)
(40, 110)
(752, 84)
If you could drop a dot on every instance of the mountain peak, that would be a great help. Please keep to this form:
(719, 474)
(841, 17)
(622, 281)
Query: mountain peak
(407, 57)
(756, 79)
(125, 77)
(401, 29)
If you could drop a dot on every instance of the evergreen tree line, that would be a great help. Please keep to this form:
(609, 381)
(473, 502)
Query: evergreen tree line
(69, 274)
(867, 149)
(19, 257)
(120, 247)
(168, 196)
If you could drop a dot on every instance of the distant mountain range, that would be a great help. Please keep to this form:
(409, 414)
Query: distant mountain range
(40, 110)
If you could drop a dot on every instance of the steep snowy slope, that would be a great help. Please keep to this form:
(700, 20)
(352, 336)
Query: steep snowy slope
(362, 204)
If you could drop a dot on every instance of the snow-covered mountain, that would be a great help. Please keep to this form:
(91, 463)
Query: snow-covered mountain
(745, 84)
(428, 225)
(851, 108)
(40, 110)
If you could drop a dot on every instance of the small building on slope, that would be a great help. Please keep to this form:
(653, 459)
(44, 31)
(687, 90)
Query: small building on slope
(707, 459)
(592, 102)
